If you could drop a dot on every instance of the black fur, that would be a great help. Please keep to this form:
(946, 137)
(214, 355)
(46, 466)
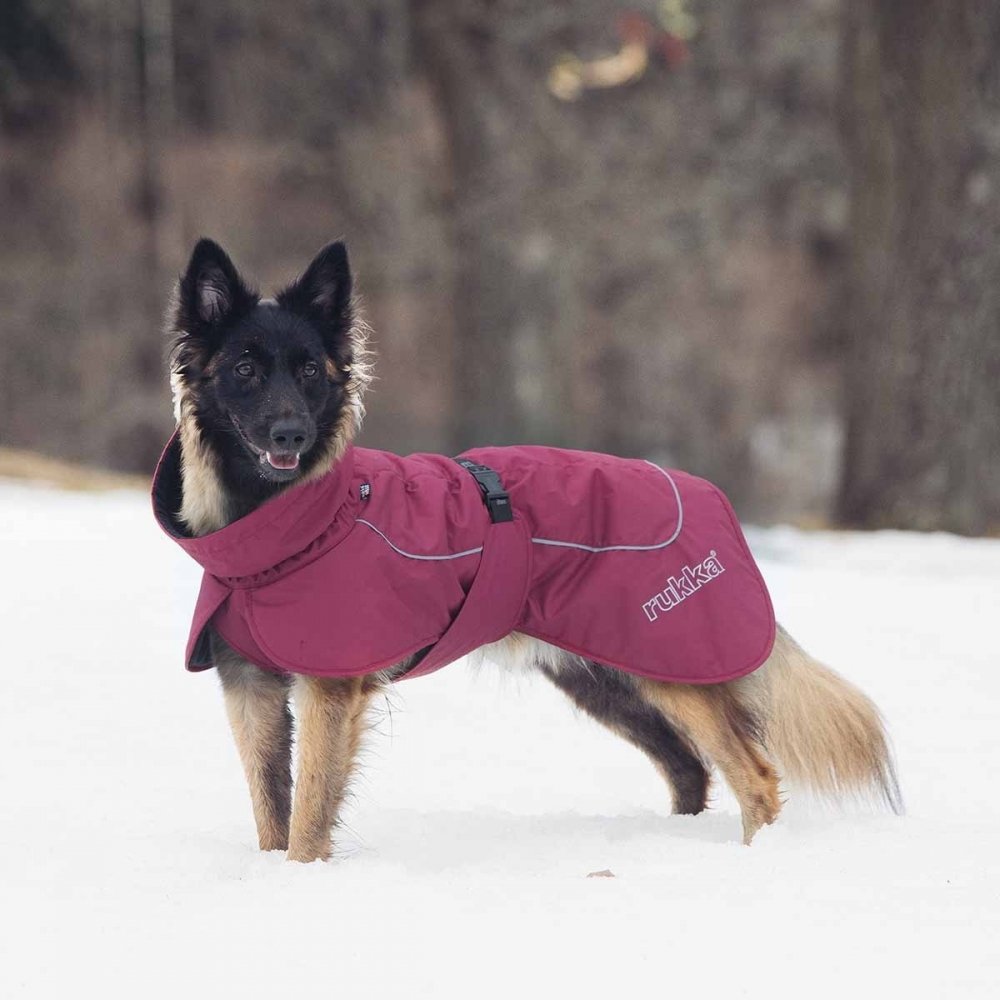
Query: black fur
(264, 378)
(323, 295)
(612, 698)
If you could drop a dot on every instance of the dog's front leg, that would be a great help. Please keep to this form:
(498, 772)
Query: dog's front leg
(257, 706)
(331, 720)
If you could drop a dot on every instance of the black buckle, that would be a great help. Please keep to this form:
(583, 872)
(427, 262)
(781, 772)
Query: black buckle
(496, 498)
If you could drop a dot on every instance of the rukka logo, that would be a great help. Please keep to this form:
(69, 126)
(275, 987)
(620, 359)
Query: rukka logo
(679, 588)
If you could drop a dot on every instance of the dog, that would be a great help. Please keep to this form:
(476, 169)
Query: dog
(269, 395)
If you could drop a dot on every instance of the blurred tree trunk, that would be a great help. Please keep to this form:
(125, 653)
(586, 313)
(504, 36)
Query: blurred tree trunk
(505, 290)
(922, 98)
(155, 117)
(456, 54)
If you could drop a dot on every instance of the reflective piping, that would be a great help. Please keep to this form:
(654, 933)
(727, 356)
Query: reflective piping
(413, 555)
(628, 548)
(550, 541)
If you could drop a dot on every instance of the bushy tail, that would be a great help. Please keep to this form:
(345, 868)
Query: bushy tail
(822, 731)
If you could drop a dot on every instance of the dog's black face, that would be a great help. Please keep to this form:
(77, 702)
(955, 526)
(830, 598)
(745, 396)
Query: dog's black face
(271, 379)
(265, 380)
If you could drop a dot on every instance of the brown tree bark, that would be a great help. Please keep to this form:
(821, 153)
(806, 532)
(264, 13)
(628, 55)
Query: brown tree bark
(922, 309)
(502, 300)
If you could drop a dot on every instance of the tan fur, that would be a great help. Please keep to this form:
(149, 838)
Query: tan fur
(204, 507)
(712, 721)
(257, 706)
(821, 731)
(825, 734)
(518, 651)
(331, 715)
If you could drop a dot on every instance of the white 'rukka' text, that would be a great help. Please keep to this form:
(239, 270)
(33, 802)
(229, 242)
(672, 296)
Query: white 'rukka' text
(679, 588)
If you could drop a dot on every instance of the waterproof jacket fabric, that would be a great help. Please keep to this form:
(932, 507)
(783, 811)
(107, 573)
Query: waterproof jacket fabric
(617, 560)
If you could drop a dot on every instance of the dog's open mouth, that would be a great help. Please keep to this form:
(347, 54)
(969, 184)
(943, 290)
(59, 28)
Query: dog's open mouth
(279, 461)
(286, 462)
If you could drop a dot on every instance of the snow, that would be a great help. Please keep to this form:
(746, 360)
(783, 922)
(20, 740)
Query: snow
(127, 857)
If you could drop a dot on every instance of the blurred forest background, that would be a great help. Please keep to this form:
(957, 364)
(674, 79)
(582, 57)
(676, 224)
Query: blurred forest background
(757, 239)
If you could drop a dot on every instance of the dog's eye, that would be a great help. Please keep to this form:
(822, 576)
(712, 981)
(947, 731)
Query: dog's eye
(244, 369)
(309, 369)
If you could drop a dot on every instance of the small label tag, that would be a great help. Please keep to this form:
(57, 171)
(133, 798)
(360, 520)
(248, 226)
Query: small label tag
(365, 491)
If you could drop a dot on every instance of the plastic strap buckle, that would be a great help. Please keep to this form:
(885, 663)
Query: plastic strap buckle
(496, 498)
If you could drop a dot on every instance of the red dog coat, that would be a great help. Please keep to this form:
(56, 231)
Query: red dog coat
(618, 560)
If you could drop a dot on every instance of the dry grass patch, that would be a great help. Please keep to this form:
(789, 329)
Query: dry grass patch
(32, 467)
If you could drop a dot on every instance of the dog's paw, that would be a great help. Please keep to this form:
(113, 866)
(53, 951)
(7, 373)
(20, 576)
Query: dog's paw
(275, 843)
(308, 853)
(761, 810)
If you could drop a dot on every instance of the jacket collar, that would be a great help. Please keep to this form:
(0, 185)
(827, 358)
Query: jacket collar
(272, 534)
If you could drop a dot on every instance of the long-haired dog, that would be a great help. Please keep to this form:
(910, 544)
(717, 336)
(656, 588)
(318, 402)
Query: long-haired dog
(268, 396)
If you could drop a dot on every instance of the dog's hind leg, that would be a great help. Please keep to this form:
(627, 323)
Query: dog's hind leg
(613, 699)
(257, 705)
(331, 714)
(717, 724)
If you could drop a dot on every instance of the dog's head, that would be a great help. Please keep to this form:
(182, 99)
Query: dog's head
(273, 388)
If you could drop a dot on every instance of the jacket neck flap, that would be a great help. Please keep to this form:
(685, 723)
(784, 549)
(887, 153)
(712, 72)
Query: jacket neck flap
(274, 532)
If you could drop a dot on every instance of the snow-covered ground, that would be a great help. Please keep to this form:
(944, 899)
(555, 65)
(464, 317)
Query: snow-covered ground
(127, 859)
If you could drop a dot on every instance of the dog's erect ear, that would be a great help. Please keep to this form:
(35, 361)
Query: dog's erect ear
(323, 294)
(211, 292)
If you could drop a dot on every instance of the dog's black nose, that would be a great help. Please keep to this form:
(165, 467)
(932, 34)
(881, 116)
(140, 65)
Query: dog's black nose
(288, 435)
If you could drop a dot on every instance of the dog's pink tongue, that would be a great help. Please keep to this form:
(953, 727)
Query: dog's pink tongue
(283, 461)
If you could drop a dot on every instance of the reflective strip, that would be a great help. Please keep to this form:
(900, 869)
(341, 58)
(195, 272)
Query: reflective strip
(628, 548)
(552, 541)
(413, 555)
